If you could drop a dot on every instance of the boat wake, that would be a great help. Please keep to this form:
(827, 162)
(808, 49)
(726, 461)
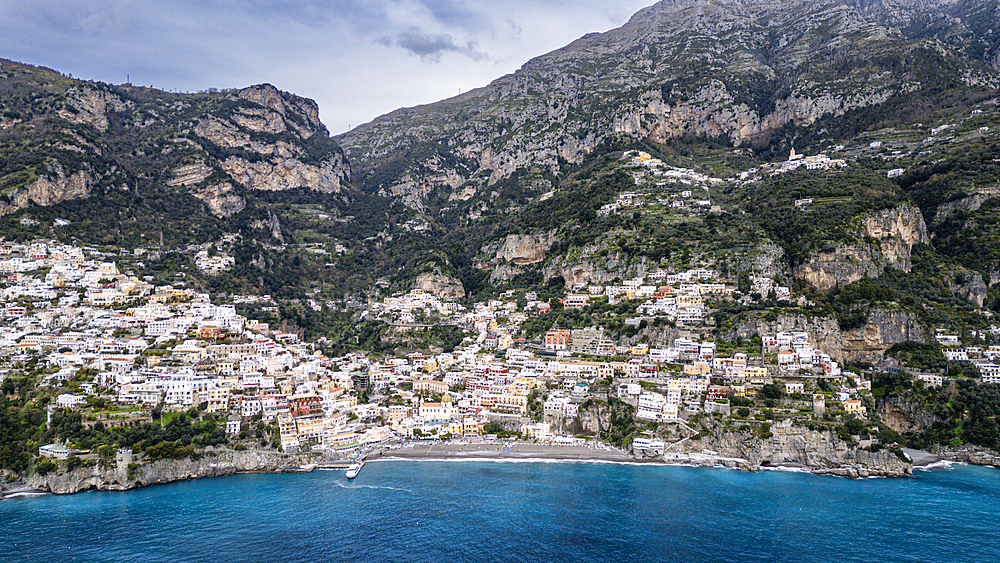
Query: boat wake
(343, 486)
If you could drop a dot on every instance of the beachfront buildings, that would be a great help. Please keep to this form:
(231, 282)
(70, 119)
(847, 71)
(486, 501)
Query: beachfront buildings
(142, 345)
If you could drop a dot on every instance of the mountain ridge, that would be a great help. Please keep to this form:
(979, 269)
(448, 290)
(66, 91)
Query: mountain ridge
(65, 139)
(717, 82)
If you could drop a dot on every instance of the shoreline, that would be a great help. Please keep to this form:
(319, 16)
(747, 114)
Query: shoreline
(81, 480)
(522, 452)
(500, 452)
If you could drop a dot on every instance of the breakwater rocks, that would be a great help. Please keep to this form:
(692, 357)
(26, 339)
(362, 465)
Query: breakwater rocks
(793, 447)
(210, 463)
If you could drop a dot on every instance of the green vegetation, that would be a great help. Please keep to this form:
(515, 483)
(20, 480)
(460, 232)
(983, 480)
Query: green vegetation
(962, 411)
(622, 423)
(24, 427)
(839, 198)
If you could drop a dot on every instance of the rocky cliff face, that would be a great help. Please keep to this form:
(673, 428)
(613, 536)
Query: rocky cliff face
(440, 285)
(525, 249)
(656, 336)
(615, 266)
(591, 420)
(280, 174)
(974, 455)
(733, 69)
(213, 463)
(893, 232)
(50, 189)
(276, 129)
(824, 332)
(904, 416)
(818, 452)
(973, 289)
(884, 328)
(71, 137)
(91, 105)
(221, 200)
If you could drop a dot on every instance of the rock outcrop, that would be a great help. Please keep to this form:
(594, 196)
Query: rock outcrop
(576, 270)
(713, 111)
(795, 446)
(973, 289)
(281, 162)
(820, 452)
(894, 232)
(74, 137)
(211, 463)
(221, 200)
(904, 416)
(90, 105)
(973, 455)
(592, 418)
(50, 189)
(655, 336)
(823, 332)
(525, 249)
(440, 285)
(280, 174)
(883, 329)
(190, 174)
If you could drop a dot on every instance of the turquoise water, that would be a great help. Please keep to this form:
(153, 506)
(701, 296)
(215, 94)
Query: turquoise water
(482, 511)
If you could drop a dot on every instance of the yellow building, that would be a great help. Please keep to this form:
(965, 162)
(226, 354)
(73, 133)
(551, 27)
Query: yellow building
(218, 399)
(697, 368)
(855, 407)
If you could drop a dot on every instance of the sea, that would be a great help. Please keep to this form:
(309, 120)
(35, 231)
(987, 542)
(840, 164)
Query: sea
(528, 511)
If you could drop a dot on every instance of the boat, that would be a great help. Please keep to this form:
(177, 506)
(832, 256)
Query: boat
(354, 469)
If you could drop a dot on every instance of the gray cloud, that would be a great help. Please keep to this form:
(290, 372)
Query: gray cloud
(430, 46)
(357, 58)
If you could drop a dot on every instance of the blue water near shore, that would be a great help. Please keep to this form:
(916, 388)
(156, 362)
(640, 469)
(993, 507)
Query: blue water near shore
(486, 511)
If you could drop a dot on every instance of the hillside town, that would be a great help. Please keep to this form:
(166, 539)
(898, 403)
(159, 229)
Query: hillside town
(113, 346)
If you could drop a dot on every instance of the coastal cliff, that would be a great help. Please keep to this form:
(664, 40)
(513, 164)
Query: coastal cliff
(819, 452)
(211, 463)
(783, 445)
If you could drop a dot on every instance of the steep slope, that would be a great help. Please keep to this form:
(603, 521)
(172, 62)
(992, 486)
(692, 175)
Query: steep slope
(735, 70)
(150, 157)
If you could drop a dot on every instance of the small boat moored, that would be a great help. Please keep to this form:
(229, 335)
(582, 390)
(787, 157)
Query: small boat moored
(354, 469)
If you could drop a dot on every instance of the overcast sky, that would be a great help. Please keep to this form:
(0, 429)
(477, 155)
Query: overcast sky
(358, 58)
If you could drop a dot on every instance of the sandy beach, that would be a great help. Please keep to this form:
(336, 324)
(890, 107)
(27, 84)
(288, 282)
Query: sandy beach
(510, 452)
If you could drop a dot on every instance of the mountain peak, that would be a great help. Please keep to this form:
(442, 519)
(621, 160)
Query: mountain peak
(736, 70)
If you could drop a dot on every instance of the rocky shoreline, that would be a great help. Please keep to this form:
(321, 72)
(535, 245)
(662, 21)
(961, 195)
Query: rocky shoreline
(789, 447)
(826, 455)
(210, 463)
(973, 455)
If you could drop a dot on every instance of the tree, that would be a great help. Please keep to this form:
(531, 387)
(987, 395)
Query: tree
(855, 426)
(744, 283)
(772, 391)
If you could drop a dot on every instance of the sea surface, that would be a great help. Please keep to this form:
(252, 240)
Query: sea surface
(491, 511)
